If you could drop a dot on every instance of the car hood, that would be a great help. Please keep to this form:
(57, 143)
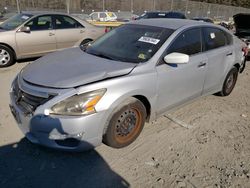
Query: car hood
(242, 23)
(71, 68)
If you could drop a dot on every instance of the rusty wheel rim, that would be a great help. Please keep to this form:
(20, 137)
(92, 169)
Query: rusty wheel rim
(128, 125)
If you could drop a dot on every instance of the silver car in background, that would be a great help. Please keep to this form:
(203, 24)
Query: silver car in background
(105, 92)
(33, 34)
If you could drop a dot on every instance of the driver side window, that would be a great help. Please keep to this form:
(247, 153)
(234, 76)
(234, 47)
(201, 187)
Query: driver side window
(40, 23)
(189, 42)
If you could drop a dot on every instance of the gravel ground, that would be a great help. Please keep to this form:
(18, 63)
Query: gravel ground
(213, 152)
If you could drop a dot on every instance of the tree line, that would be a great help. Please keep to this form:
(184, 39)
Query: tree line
(114, 4)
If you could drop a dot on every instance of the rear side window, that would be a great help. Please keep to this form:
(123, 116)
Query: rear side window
(66, 22)
(229, 38)
(188, 42)
(214, 38)
(111, 14)
(40, 23)
(102, 15)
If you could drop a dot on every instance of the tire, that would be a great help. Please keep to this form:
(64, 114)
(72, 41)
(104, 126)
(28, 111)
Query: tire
(7, 57)
(85, 42)
(242, 68)
(126, 124)
(229, 82)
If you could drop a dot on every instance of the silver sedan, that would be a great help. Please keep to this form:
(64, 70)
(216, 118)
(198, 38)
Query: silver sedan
(105, 91)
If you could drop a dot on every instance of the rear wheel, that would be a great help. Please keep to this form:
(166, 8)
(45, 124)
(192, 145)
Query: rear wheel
(6, 56)
(242, 68)
(126, 124)
(229, 82)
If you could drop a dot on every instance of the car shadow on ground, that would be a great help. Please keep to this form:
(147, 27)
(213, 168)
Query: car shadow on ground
(24, 164)
(27, 60)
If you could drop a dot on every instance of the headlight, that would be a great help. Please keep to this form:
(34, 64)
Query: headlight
(78, 105)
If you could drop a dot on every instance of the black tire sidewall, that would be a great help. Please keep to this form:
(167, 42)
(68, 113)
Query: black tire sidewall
(85, 41)
(12, 57)
(109, 136)
(224, 89)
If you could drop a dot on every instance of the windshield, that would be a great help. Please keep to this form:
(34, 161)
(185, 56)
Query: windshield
(130, 43)
(15, 21)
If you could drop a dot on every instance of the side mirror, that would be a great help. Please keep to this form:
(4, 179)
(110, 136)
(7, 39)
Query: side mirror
(176, 58)
(25, 29)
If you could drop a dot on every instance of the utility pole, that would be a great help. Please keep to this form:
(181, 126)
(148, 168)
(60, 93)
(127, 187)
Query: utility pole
(68, 5)
(172, 4)
(153, 4)
(132, 6)
(217, 13)
(103, 5)
(186, 8)
(18, 6)
(33, 3)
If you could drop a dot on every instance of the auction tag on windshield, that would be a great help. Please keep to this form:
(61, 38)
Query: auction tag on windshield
(149, 40)
(212, 35)
(25, 17)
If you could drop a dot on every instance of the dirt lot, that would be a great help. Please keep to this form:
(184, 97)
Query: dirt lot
(214, 152)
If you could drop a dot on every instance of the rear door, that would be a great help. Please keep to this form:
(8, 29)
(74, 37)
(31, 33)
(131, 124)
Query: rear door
(68, 31)
(218, 48)
(180, 83)
(40, 39)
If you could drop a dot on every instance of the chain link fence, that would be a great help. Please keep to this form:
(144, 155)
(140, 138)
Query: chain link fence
(189, 8)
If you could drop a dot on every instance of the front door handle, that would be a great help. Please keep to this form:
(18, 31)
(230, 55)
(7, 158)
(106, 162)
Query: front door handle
(82, 31)
(229, 53)
(202, 64)
(51, 34)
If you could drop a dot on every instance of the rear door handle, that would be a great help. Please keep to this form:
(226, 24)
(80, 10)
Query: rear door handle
(82, 31)
(51, 34)
(229, 53)
(202, 64)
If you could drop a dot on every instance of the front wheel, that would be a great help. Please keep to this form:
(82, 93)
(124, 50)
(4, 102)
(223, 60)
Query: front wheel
(126, 124)
(6, 56)
(229, 82)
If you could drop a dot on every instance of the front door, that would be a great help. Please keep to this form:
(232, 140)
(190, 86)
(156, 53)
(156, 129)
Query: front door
(178, 83)
(40, 40)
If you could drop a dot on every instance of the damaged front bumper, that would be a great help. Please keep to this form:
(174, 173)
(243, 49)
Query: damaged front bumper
(60, 132)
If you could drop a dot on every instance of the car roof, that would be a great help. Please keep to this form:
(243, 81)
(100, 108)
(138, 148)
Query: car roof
(169, 23)
(163, 12)
(102, 12)
(202, 18)
(36, 13)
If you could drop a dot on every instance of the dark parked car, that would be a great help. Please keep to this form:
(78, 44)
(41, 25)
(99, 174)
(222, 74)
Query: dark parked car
(158, 14)
(242, 28)
(203, 19)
